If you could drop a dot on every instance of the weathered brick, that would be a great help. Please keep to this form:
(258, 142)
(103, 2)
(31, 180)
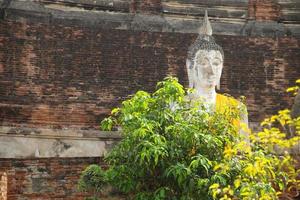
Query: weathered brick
(58, 179)
(61, 76)
(264, 10)
(146, 6)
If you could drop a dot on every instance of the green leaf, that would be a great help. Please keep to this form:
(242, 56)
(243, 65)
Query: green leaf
(107, 124)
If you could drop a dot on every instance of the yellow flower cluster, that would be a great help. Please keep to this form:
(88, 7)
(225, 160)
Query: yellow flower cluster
(264, 167)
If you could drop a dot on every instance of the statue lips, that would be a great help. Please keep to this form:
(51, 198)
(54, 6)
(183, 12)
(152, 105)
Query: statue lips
(211, 80)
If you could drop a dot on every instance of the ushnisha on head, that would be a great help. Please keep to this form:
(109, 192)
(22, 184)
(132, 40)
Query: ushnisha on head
(205, 59)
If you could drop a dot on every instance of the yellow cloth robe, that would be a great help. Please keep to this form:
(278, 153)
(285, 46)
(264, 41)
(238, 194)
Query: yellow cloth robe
(227, 105)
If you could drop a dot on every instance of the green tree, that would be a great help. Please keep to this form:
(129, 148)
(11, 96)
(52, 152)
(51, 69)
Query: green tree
(176, 149)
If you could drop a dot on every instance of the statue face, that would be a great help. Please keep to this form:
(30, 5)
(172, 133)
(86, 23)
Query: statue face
(208, 67)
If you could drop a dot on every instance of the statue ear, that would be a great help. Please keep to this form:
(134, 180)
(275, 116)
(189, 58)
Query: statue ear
(189, 64)
(190, 72)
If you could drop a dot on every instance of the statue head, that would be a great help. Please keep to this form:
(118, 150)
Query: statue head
(205, 59)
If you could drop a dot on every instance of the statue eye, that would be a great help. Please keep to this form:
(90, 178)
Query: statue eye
(202, 61)
(216, 63)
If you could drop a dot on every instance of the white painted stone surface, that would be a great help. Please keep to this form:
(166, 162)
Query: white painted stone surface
(32, 143)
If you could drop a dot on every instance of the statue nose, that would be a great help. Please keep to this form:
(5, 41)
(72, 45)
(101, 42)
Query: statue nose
(210, 70)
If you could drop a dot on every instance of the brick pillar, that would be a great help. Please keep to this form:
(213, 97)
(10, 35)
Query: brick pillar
(146, 6)
(3, 186)
(264, 10)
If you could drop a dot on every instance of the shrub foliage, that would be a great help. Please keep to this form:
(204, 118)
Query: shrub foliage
(176, 149)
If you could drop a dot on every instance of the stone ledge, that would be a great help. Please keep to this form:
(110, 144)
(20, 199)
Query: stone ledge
(47, 133)
(109, 5)
(219, 9)
(22, 142)
(223, 24)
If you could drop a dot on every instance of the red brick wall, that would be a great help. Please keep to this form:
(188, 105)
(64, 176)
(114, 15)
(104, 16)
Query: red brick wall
(51, 178)
(62, 76)
(262, 10)
(145, 6)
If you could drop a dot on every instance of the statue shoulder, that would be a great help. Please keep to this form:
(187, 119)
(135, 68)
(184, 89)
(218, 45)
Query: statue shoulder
(224, 101)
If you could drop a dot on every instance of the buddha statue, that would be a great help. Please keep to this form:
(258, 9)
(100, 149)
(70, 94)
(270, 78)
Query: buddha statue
(204, 66)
